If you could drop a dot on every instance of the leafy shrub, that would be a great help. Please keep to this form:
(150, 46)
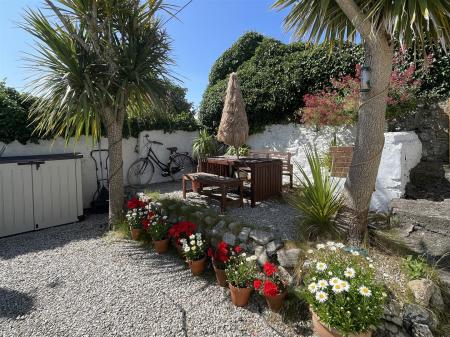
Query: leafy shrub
(318, 198)
(341, 289)
(274, 79)
(418, 268)
(244, 150)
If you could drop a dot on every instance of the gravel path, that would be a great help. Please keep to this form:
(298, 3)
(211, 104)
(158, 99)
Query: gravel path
(75, 281)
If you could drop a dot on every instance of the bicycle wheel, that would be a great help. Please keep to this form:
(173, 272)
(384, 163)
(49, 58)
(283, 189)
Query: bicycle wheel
(181, 164)
(140, 173)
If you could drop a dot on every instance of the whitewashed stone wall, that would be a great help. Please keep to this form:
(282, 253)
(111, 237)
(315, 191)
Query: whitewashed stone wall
(402, 151)
(132, 150)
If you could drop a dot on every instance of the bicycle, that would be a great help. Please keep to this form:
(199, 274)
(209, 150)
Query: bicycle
(141, 171)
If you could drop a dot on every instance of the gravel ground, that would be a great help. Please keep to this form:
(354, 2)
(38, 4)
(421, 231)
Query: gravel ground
(74, 280)
(273, 214)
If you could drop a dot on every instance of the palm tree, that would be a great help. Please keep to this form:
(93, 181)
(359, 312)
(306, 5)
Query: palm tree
(95, 62)
(380, 24)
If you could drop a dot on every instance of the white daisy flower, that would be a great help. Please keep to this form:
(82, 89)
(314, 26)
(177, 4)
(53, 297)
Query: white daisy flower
(371, 265)
(334, 281)
(198, 235)
(340, 245)
(345, 285)
(354, 252)
(363, 290)
(320, 246)
(192, 237)
(349, 272)
(310, 251)
(332, 248)
(338, 288)
(320, 266)
(243, 254)
(330, 243)
(186, 249)
(200, 243)
(321, 296)
(322, 284)
(192, 242)
(251, 258)
(312, 287)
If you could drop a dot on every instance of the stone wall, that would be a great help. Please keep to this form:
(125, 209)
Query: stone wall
(402, 151)
(431, 123)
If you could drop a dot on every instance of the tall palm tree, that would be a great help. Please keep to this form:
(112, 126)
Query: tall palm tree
(94, 63)
(380, 24)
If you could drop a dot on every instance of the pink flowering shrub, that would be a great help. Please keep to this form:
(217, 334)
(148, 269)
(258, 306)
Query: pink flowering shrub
(338, 104)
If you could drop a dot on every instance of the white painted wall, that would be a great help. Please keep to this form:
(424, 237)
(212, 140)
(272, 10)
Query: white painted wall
(181, 139)
(402, 151)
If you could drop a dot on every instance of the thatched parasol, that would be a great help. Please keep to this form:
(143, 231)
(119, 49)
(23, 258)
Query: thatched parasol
(233, 128)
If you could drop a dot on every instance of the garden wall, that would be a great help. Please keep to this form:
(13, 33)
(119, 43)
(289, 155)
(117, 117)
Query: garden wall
(180, 139)
(402, 151)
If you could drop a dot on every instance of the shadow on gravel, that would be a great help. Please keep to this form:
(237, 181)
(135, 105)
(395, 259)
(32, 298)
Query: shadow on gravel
(14, 303)
(50, 238)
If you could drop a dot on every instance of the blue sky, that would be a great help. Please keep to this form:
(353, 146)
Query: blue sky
(204, 30)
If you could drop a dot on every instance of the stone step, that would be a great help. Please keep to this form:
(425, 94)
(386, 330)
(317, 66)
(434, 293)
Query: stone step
(423, 226)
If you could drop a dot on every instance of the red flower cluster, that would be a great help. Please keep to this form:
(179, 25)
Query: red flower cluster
(182, 229)
(135, 203)
(270, 289)
(257, 284)
(222, 254)
(269, 268)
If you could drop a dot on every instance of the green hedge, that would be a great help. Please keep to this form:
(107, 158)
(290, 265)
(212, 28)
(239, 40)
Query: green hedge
(178, 115)
(275, 76)
(273, 79)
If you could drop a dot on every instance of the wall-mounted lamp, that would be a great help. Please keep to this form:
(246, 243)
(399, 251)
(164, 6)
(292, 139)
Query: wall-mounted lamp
(365, 79)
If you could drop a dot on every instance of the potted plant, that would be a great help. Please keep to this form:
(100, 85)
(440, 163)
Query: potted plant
(340, 287)
(135, 216)
(204, 146)
(241, 271)
(271, 286)
(158, 230)
(181, 230)
(194, 249)
(220, 257)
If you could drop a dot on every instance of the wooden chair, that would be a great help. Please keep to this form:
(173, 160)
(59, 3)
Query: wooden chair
(285, 157)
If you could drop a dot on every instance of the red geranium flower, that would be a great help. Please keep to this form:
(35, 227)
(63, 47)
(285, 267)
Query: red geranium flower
(238, 249)
(133, 203)
(269, 268)
(182, 229)
(257, 284)
(145, 224)
(210, 252)
(270, 289)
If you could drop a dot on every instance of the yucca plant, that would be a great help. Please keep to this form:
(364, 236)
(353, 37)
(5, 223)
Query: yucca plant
(318, 198)
(204, 145)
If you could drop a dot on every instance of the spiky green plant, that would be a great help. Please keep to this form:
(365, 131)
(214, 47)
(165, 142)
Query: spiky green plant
(204, 145)
(95, 62)
(318, 198)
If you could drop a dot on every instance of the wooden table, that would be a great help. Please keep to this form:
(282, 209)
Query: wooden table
(265, 174)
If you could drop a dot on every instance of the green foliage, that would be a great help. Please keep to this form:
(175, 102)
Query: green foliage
(241, 271)
(244, 150)
(14, 123)
(342, 290)
(158, 227)
(418, 268)
(318, 199)
(274, 79)
(204, 145)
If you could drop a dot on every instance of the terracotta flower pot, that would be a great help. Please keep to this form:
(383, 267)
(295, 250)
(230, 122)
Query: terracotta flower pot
(221, 277)
(135, 233)
(322, 330)
(198, 266)
(276, 302)
(240, 296)
(161, 246)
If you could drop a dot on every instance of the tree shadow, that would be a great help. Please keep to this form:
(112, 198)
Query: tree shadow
(94, 226)
(14, 303)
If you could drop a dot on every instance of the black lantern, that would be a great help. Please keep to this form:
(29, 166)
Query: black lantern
(365, 79)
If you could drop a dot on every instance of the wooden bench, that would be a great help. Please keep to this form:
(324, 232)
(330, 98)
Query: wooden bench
(285, 157)
(223, 183)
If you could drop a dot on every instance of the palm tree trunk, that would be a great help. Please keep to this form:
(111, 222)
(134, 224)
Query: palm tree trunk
(369, 142)
(116, 190)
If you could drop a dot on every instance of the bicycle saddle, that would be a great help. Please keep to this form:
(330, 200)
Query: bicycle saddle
(172, 149)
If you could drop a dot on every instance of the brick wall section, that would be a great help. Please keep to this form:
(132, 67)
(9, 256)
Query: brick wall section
(341, 160)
